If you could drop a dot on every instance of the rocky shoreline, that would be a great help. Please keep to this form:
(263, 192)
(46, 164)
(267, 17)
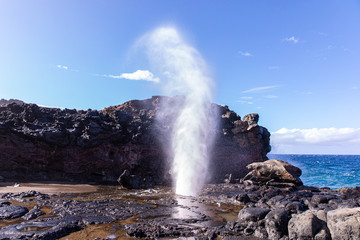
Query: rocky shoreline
(252, 209)
(250, 197)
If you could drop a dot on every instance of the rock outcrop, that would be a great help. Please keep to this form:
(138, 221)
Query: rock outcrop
(38, 143)
(274, 172)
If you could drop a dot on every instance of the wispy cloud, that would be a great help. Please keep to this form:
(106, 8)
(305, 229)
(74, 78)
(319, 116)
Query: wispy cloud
(246, 98)
(271, 96)
(355, 88)
(62, 67)
(67, 68)
(317, 140)
(245, 54)
(291, 39)
(322, 33)
(307, 93)
(259, 89)
(273, 67)
(139, 75)
(245, 102)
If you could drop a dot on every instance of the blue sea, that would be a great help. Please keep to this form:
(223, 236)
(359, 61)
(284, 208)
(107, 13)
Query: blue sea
(333, 171)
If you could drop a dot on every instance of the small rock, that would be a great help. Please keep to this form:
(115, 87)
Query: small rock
(242, 198)
(252, 214)
(4, 203)
(317, 199)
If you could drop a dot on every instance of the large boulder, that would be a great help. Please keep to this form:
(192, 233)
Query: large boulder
(275, 172)
(344, 223)
(306, 226)
(276, 224)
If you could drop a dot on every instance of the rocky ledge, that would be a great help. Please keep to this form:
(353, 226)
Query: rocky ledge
(38, 143)
(258, 207)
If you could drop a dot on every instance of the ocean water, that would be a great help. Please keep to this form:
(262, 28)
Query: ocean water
(333, 171)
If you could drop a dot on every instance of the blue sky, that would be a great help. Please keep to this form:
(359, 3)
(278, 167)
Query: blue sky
(296, 63)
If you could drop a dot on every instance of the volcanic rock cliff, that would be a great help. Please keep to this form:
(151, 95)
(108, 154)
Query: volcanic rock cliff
(38, 143)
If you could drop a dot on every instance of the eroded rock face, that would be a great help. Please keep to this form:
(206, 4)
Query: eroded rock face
(274, 172)
(38, 143)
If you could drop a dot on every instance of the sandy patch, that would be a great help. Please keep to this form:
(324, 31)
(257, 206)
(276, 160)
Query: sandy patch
(49, 188)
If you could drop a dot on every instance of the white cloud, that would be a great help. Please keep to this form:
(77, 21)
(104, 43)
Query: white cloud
(271, 96)
(317, 140)
(355, 88)
(291, 39)
(273, 67)
(62, 67)
(259, 89)
(139, 75)
(245, 54)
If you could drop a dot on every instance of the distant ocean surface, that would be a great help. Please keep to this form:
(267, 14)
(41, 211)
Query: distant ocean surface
(333, 171)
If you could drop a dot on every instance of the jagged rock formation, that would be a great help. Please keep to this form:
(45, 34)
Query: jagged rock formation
(38, 143)
(4, 101)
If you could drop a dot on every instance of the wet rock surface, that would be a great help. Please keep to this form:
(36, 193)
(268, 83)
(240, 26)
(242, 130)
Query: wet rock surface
(14, 211)
(50, 144)
(219, 212)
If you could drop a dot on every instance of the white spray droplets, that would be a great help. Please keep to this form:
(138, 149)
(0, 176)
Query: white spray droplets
(184, 72)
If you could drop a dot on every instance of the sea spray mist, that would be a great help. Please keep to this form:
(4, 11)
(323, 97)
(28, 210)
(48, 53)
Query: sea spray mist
(184, 72)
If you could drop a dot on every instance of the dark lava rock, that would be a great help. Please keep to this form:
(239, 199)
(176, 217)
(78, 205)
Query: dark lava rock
(44, 228)
(252, 214)
(134, 182)
(318, 199)
(276, 222)
(25, 196)
(13, 211)
(39, 143)
(33, 213)
(4, 203)
(242, 198)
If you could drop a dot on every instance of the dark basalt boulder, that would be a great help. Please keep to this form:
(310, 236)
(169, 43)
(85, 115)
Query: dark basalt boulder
(39, 143)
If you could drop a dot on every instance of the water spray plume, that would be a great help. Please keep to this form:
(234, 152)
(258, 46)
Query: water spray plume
(185, 73)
